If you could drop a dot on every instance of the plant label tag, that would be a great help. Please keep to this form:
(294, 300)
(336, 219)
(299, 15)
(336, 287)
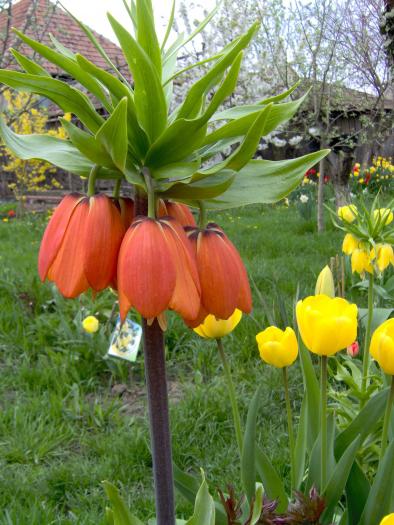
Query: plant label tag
(125, 340)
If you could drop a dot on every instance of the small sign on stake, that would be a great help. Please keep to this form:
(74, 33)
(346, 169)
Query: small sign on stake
(125, 340)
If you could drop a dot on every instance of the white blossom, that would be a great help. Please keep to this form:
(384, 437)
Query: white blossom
(304, 198)
(295, 140)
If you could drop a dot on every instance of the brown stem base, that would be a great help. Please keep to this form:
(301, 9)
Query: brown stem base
(155, 373)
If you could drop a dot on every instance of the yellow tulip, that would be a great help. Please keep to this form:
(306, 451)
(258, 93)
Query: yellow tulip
(90, 324)
(382, 346)
(361, 261)
(325, 283)
(326, 324)
(347, 213)
(388, 520)
(213, 328)
(350, 243)
(384, 214)
(278, 347)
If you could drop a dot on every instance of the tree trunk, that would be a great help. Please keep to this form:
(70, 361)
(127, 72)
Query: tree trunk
(320, 197)
(342, 164)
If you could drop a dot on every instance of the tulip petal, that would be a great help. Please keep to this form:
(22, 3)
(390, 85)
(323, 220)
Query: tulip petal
(146, 269)
(103, 235)
(67, 270)
(54, 233)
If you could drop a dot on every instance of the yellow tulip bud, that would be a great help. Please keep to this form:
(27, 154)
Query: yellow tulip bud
(385, 215)
(382, 346)
(213, 328)
(326, 324)
(388, 520)
(385, 256)
(325, 283)
(361, 261)
(350, 243)
(90, 324)
(278, 347)
(347, 213)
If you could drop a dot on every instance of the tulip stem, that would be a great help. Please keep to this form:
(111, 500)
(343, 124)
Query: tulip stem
(150, 192)
(233, 399)
(92, 180)
(387, 419)
(364, 381)
(155, 372)
(289, 427)
(323, 420)
(202, 220)
(116, 191)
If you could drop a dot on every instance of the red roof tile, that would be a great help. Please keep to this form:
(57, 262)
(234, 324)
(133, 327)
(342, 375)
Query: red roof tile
(38, 18)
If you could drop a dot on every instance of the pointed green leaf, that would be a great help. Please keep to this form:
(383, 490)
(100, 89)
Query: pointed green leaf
(357, 491)
(314, 471)
(207, 188)
(248, 459)
(113, 135)
(204, 508)
(380, 495)
(68, 65)
(265, 181)
(120, 512)
(169, 25)
(149, 96)
(71, 100)
(312, 392)
(146, 33)
(338, 479)
(185, 483)
(29, 65)
(272, 483)
(61, 48)
(301, 444)
(281, 96)
(257, 504)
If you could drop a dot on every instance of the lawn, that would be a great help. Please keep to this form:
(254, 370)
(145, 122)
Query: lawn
(65, 428)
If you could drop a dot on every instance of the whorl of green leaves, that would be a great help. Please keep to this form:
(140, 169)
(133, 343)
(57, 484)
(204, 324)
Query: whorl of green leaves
(141, 131)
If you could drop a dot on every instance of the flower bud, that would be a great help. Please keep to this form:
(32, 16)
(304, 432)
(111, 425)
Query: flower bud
(325, 283)
(353, 349)
(385, 215)
(347, 213)
(278, 347)
(350, 243)
(361, 261)
(213, 328)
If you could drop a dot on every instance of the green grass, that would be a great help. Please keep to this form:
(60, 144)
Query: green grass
(63, 431)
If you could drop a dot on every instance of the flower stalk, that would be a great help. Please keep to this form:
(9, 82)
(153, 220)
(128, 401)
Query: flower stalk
(387, 418)
(289, 427)
(92, 180)
(323, 420)
(364, 381)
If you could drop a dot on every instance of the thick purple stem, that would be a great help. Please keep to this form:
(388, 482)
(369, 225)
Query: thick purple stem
(156, 383)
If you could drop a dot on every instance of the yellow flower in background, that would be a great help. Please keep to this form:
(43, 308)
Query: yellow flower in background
(350, 243)
(278, 347)
(361, 261)
(325, 283)
(382, 346)
(361, 181)
(388, 520)
(347, 213)
(385, 256)
(5, 219)
(384, 214)
(327, 325)
(90, 324)
(213, 328)
(372, 169)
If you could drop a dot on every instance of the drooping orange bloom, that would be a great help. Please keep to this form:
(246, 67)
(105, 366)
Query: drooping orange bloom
(157, 270)
(223, 277)
(80, 245)
(180, 212)
(127, 212)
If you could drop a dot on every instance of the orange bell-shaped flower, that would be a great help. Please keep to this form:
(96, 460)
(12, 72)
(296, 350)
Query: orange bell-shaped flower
(80, 245)
(223, 278)
(157, 270)
(180, 212)
(127, 212)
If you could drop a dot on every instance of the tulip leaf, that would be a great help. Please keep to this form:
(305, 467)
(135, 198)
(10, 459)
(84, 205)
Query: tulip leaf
(301, 444)
(185, 483)
(257, 504)
(364, 423)
(244, 117)
(312, 393)
(207, 188)
(248, 457)
(65, 51)
(272, 483)
(29, 65)
(281, 96)
(113, 135)
(357, 491)
(87, 144)
(175, 172)
(265, 181)
(380, 495)
(195, 95)
(336, 484)
(315, 456)
(69, 99)
(204, 508)
(120, 513)
(150, 103)
(68, 65)
(183, 136)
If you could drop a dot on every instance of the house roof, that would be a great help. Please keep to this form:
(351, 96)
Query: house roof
(39, 18)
